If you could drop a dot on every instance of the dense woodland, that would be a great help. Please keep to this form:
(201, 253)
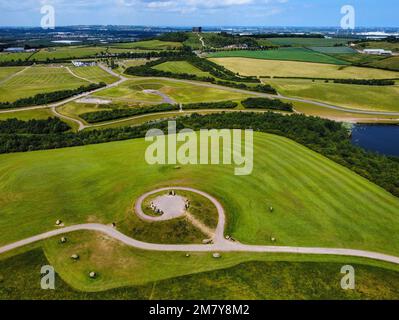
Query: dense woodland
(265, 103)
(324, 136)
(50, 97)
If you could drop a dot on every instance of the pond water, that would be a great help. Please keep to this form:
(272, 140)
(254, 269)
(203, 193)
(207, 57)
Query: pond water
(383, 139)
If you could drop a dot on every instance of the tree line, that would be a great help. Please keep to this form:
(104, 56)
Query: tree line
(50, 97)
(365, 82)
(211, 105)
(49, 126)
(265, 103)
(106, 115)
(147, 70)
(326, 137)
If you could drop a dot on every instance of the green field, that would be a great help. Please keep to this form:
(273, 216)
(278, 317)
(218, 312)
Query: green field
(372, 98)
(252, 280)
(149, 45)
(27, 115)
(37, 80)
(308, 42)
(5, 57)
(330, 50)
(290, 54)
(388, 63)
(33, 196)
(254, 67)
(181, 67)
(379, 45)
(94, 74)
(7, 72)
(181, 92)
(357, 58)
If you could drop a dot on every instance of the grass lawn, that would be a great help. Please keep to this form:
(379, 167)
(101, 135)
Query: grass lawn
(27, 115)
(181, 67)
(312, 195)
(179, 91)
(308, 42)
(318, 111)
(135, 62)
(254, 67)
(373, 98)
(94, 74)
(6, 72)
(251, 280)
(37, 80)
(290, 54)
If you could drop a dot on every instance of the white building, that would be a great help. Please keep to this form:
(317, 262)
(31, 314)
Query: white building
(380, 52)
(83, 63)
(14, 50)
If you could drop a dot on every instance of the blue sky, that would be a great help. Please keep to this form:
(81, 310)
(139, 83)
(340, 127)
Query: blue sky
(380, 13)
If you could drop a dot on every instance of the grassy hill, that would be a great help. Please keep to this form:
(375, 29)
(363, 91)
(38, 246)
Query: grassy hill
(312, 196)
(251, 280)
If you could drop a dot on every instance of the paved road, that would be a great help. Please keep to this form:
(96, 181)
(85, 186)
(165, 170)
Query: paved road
(226, 246)
(85, 94)
(210, 85)
(220, 243)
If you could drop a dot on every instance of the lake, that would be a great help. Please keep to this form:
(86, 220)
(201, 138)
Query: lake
(383, 139)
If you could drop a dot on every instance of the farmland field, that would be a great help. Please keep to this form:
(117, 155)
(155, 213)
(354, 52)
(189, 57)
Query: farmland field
(15, 56)
(179, 91)
(94, 74)
(253, 67)
(350, 96)
(394, 46)
(293, 54)
(149, 45)
(388, 63)
(330, 50)
(357, 58)
(37, 80)
(308, 42)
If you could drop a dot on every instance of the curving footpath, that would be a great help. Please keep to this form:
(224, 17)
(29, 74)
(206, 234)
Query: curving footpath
(220, 244)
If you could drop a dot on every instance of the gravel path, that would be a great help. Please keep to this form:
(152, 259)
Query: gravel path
(220, 243)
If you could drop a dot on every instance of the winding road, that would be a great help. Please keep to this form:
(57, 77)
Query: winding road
(220, 243)
(203, 84)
